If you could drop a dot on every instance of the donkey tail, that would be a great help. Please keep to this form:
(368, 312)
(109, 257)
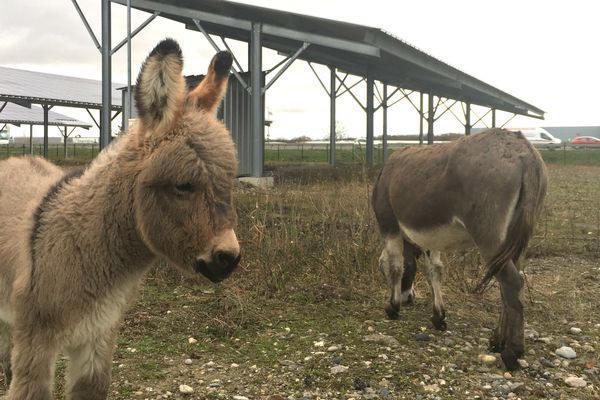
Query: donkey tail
(520, 229)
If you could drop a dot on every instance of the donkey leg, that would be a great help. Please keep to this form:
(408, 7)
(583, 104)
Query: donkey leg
(5, 348)
(89, 372)
(433, 271)
(510, 331)
(391, 264)
(411, 252)
(33, 361)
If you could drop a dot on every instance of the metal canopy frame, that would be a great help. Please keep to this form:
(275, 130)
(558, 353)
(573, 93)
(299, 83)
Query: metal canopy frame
(47, 101)
(48, 119)
(370, 53)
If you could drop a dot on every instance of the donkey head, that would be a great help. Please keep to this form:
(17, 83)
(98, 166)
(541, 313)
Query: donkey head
(186, 165)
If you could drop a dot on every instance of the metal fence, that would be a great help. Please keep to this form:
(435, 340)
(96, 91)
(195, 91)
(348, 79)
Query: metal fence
(56, 152)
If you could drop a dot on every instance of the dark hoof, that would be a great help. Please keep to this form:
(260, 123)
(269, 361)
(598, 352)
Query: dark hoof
(510, 359)
(392, 312)
(439, 322)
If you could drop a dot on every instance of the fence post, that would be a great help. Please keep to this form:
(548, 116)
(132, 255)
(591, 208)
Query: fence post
(23, 149)
(278, 152)
(565, 153)
(302, 152)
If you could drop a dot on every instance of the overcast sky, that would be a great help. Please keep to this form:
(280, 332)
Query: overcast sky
(546, 53)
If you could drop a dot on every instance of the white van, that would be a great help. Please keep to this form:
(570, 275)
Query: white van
(539, 137)
(5, 137)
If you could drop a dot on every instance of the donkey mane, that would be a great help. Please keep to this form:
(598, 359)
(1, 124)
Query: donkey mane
(51, 195)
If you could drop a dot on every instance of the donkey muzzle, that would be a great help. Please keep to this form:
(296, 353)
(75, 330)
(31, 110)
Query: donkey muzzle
(220, 267)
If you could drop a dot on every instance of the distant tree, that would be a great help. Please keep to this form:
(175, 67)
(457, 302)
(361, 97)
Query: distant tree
(303, 138)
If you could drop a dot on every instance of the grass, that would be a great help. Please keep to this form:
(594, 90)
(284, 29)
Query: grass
(76, 153)
(309, 274)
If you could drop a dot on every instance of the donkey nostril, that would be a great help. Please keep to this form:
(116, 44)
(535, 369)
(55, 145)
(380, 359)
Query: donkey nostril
(226, 259)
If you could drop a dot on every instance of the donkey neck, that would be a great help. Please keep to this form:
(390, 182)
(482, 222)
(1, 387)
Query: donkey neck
(97, 209)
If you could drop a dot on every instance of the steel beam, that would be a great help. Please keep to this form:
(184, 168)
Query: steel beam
(106, 75)
(370, 112)
(216, 47)
(256, 100)
(137, 30)
(127, 111)
(46, 108)
(468, 119)
(493, 117)
(289, 62)
(87, 25)
(430, 118)
(384, 106)
(421, 118)
(340, 44)
(237, 23)
(332, 97)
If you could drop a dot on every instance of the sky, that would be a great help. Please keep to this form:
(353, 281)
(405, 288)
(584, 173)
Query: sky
(546, 53)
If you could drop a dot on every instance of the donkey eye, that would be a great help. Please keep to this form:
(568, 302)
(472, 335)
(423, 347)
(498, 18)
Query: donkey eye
(184, 188)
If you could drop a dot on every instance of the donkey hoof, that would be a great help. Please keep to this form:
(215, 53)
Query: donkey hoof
(392, 312)
(439, 323)
(510, 359)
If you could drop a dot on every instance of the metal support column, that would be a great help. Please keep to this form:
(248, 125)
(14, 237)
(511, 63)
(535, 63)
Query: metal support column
(493, 117)
(45, 108)
(127, 110)
(65, 143)
(257, 100)
(31, 139)
(384, 106)
(430, 118)
(421, 118)
(332, 133)
(370, 112)
(106, 76)
(468, 119)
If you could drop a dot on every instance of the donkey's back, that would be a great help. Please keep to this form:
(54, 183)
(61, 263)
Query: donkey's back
(24, 181)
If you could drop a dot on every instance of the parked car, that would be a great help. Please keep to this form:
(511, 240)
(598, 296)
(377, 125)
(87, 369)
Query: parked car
(585, 141)
(539, 137)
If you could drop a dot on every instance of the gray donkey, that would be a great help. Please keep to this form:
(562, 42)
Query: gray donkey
(484, 191)
(74, 248)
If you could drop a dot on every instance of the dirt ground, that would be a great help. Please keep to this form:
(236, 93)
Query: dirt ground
(325, 342)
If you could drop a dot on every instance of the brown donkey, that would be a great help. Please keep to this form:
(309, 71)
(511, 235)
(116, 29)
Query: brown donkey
(74, 248)
(483, 191)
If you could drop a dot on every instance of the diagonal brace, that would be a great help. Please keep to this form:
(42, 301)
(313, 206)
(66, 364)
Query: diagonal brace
(216, 47)
(87, 25)
(286, 66)
(135, 32)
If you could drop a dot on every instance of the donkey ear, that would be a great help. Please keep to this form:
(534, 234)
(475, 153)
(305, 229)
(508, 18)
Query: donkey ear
(160, 88)
(209, 93)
